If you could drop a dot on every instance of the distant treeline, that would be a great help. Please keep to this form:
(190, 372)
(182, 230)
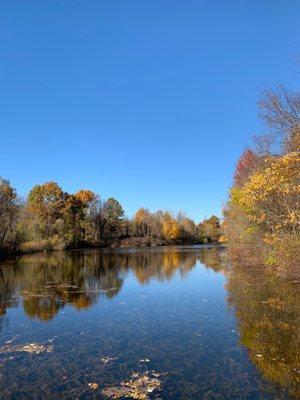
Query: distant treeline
(51, 219)
(262, 217)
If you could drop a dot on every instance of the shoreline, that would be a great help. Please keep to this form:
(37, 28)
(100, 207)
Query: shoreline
(16, 255)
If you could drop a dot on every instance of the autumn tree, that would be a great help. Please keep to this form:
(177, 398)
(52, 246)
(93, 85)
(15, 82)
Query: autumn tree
(45, 203)
(209, 230)
(263, 209)
(170, 227)
(72, 219)
(271, 197)
(142, 223)
(110, 219)
(247, 163)
(85, 196)
(156, 224)
(188, 228)
(8, 214)
(54, 219)
(88, 204)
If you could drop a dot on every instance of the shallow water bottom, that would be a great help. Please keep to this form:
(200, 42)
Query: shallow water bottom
(171, 323)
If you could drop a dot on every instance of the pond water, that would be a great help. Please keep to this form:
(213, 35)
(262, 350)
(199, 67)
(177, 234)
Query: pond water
(164, 323)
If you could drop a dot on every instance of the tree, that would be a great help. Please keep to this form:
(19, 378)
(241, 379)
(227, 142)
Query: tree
(271, 197)
(247, 163)
(110, 218)
(85, 196)
(281, 112)
(188, 228)
(209, 230)
(142, 222)
(112, 210)
(72, 219)
(8, 214)
(45, 203)
(88, 205)
(170, 227)
(263, 209)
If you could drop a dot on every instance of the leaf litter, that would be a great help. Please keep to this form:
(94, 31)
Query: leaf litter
(139, 387)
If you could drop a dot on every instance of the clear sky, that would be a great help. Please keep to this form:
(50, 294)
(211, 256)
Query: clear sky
(150, 102)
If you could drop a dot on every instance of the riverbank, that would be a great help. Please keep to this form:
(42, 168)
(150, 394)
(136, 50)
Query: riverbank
(47, 247)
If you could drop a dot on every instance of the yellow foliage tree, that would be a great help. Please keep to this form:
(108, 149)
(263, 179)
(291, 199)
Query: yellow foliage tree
(85, 196)
(141, 215)
(170, 227)
(271, 197)
(142, 222)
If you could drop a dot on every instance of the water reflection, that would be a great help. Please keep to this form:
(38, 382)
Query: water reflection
(267, 310)
(45, 283)
(186, 331)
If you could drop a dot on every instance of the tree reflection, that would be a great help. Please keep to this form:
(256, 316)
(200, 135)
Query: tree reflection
(46, 282)
(265, 304)
(268, 321)
(213, 258)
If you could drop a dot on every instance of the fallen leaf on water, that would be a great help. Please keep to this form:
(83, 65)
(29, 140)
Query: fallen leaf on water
(35, 348)
(93, 385)
(106, 360)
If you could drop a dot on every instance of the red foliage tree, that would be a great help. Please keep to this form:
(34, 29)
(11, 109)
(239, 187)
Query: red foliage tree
(245, 166)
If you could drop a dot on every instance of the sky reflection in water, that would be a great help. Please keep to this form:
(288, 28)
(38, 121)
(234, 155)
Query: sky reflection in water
(211, 329)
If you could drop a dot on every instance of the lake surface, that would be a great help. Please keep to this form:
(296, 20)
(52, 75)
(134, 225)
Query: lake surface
(164, 323)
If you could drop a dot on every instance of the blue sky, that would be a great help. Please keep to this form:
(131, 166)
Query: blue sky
(147, 101)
